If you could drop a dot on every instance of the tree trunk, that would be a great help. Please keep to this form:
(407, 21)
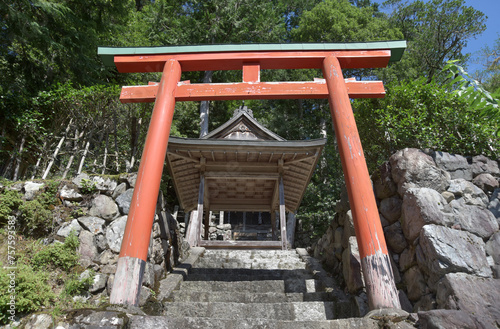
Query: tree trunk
(117, 164)
(18, 158)
(105, 155)
(204, 107)
(56, 151)
(73, 152)
(84, 155)
(37, 165)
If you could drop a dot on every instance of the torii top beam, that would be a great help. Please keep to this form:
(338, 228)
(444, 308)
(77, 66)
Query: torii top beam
(269, 56)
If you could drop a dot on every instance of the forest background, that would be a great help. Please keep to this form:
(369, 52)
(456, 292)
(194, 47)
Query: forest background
(60, 113)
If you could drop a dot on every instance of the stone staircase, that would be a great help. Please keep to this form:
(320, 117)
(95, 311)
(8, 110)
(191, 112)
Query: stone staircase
(253, 289)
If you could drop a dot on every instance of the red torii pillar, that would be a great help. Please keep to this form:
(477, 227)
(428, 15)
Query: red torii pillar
(375, 261)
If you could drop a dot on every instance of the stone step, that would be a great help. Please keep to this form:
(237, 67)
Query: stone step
(155, 322)
(221, 273)
(235, 297)
(245, 297)
(304, 311)
(250, 264)
(228, 253)
(239, 286)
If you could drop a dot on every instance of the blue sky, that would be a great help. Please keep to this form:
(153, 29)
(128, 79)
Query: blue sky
(490, 8)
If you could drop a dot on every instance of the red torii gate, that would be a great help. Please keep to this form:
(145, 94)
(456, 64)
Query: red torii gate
(251, 58)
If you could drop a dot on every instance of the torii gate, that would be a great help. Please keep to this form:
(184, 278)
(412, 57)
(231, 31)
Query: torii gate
(251, 58)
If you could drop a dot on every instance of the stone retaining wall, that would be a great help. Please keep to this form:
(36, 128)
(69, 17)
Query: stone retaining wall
(440, 213)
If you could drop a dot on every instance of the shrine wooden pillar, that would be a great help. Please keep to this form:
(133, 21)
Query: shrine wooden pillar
(135, 243)
(375, 261)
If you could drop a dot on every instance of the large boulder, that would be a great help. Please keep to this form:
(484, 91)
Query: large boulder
(352, 266)
(449, 319)
(415, 283)
(69, 194)
(493, 247)
(474, 219)
(382, 182)
(94, 225)
(67, 228)
(445, 250)
(390, 208)
(114, 233)
(455, 164)
(471, 194)
(413, 168)
(479, 297)
(124, 200)
(422, 206)
(483, 165)
(494, 204)
(104, 207)
(30, 189)
(395, 237)
(87, 247)
(486, 182)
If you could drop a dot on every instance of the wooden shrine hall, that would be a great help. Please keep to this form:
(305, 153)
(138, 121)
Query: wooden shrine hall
(242, 167)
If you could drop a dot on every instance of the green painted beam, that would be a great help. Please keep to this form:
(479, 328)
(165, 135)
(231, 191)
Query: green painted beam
(397, 48)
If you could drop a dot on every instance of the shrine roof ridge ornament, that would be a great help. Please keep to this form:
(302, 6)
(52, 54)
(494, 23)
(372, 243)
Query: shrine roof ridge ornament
(396, 47)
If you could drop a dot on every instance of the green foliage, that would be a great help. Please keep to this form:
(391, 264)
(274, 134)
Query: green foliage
(77, 286)
(31, 290)
(58, 255)
(422, 115)
(473, 93)
(10, 200)
(339, 21)
(88, 186)
(436, 31)
(36, 219)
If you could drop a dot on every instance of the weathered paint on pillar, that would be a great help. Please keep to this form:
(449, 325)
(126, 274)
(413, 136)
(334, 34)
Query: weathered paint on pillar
(375, 261)
(134, 248)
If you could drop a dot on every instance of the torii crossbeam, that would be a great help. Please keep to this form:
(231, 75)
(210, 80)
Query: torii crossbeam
(331, 58)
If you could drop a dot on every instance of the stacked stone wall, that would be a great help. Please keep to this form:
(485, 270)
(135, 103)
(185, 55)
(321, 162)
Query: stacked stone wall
(440, 213)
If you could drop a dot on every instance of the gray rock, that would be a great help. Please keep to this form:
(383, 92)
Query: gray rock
(483, 165)
(114, 233)
(415, 283)
(349, 230)
(426, 303)
(395, 237)
(99, 283)
(456, 165)
(130, 178)
(445, 250)
(148, 279)
(351, 267)
(104, 184)
(66, 228)
(69, 194)
(493, 247)
(144, 295)
(449, 319)
(494, 204)
(122, 187)
(78, 179)
(39, 321)
(100, 319)
(471, 194)
(422, 206)
(94, 225)
(486, 182)
(471, 295)
(87, 248)
(407, 258)
(30, 189)
(124, 201)
(103, 206)
(413, 168)
(448, 196)
(474, 219)
(383, 184)
(404, 301)
(107, 257)
(101, 242)
(390, 208)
